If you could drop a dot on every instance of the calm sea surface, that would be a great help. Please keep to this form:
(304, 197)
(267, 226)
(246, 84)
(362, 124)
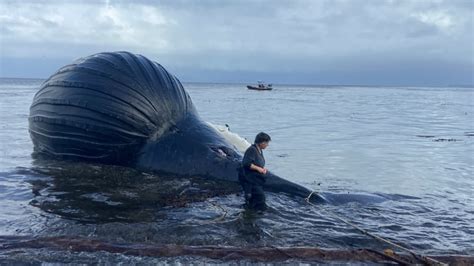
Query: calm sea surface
(414, 146)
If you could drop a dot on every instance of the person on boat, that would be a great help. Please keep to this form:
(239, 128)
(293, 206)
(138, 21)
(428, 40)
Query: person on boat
(252, 175)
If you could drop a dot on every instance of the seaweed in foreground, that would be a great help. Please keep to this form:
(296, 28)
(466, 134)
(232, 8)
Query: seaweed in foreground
(220, 253)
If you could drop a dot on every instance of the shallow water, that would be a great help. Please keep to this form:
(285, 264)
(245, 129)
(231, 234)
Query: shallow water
(411, 147)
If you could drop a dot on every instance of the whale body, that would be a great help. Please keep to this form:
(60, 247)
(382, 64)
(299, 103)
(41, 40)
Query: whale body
(123, 109)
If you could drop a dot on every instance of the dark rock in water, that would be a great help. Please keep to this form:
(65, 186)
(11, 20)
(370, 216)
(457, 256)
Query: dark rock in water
(425, 136)
(446, 140)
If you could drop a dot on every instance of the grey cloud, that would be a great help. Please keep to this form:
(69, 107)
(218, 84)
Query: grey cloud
(304, 39)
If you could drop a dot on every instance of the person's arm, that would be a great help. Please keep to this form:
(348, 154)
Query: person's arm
(259, 169)
(249, 160)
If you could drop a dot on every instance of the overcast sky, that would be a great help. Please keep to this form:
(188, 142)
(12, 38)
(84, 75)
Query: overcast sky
(371, 42)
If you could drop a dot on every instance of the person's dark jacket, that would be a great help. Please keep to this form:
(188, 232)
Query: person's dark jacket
(253, 156)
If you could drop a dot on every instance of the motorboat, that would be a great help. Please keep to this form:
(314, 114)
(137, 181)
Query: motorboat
(260, 87)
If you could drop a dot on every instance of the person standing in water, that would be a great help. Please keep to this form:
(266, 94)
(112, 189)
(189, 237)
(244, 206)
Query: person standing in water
(253, 174)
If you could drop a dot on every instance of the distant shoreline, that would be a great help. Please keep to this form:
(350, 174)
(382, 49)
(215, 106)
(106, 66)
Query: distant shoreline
(296, 85)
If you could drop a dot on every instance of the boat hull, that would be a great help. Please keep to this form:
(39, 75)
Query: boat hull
(259, 89)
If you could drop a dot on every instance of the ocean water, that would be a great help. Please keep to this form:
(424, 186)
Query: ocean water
(411, 147)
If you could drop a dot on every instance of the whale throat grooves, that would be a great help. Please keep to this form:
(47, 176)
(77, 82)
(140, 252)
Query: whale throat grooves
(104, 107)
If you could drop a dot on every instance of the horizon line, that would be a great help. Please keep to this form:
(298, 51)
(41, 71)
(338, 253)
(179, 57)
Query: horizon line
(302, 84)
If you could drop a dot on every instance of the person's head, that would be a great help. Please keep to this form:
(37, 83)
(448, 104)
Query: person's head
(262, 139)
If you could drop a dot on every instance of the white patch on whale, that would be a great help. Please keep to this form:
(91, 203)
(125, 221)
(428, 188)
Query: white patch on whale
(239, 143)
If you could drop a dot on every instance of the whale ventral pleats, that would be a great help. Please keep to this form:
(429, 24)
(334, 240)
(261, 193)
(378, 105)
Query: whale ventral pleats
(105, 106)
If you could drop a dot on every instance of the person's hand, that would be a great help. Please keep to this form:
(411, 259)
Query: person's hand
(263, 171)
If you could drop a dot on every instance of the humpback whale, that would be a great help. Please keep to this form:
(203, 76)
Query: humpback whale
(123, 109)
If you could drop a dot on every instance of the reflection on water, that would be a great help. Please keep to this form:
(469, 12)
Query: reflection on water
(103, 193)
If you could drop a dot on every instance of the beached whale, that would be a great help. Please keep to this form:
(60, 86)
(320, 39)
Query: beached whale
(124, 109)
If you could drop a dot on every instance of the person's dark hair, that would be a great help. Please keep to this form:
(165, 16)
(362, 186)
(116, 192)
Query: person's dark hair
(262, 137)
